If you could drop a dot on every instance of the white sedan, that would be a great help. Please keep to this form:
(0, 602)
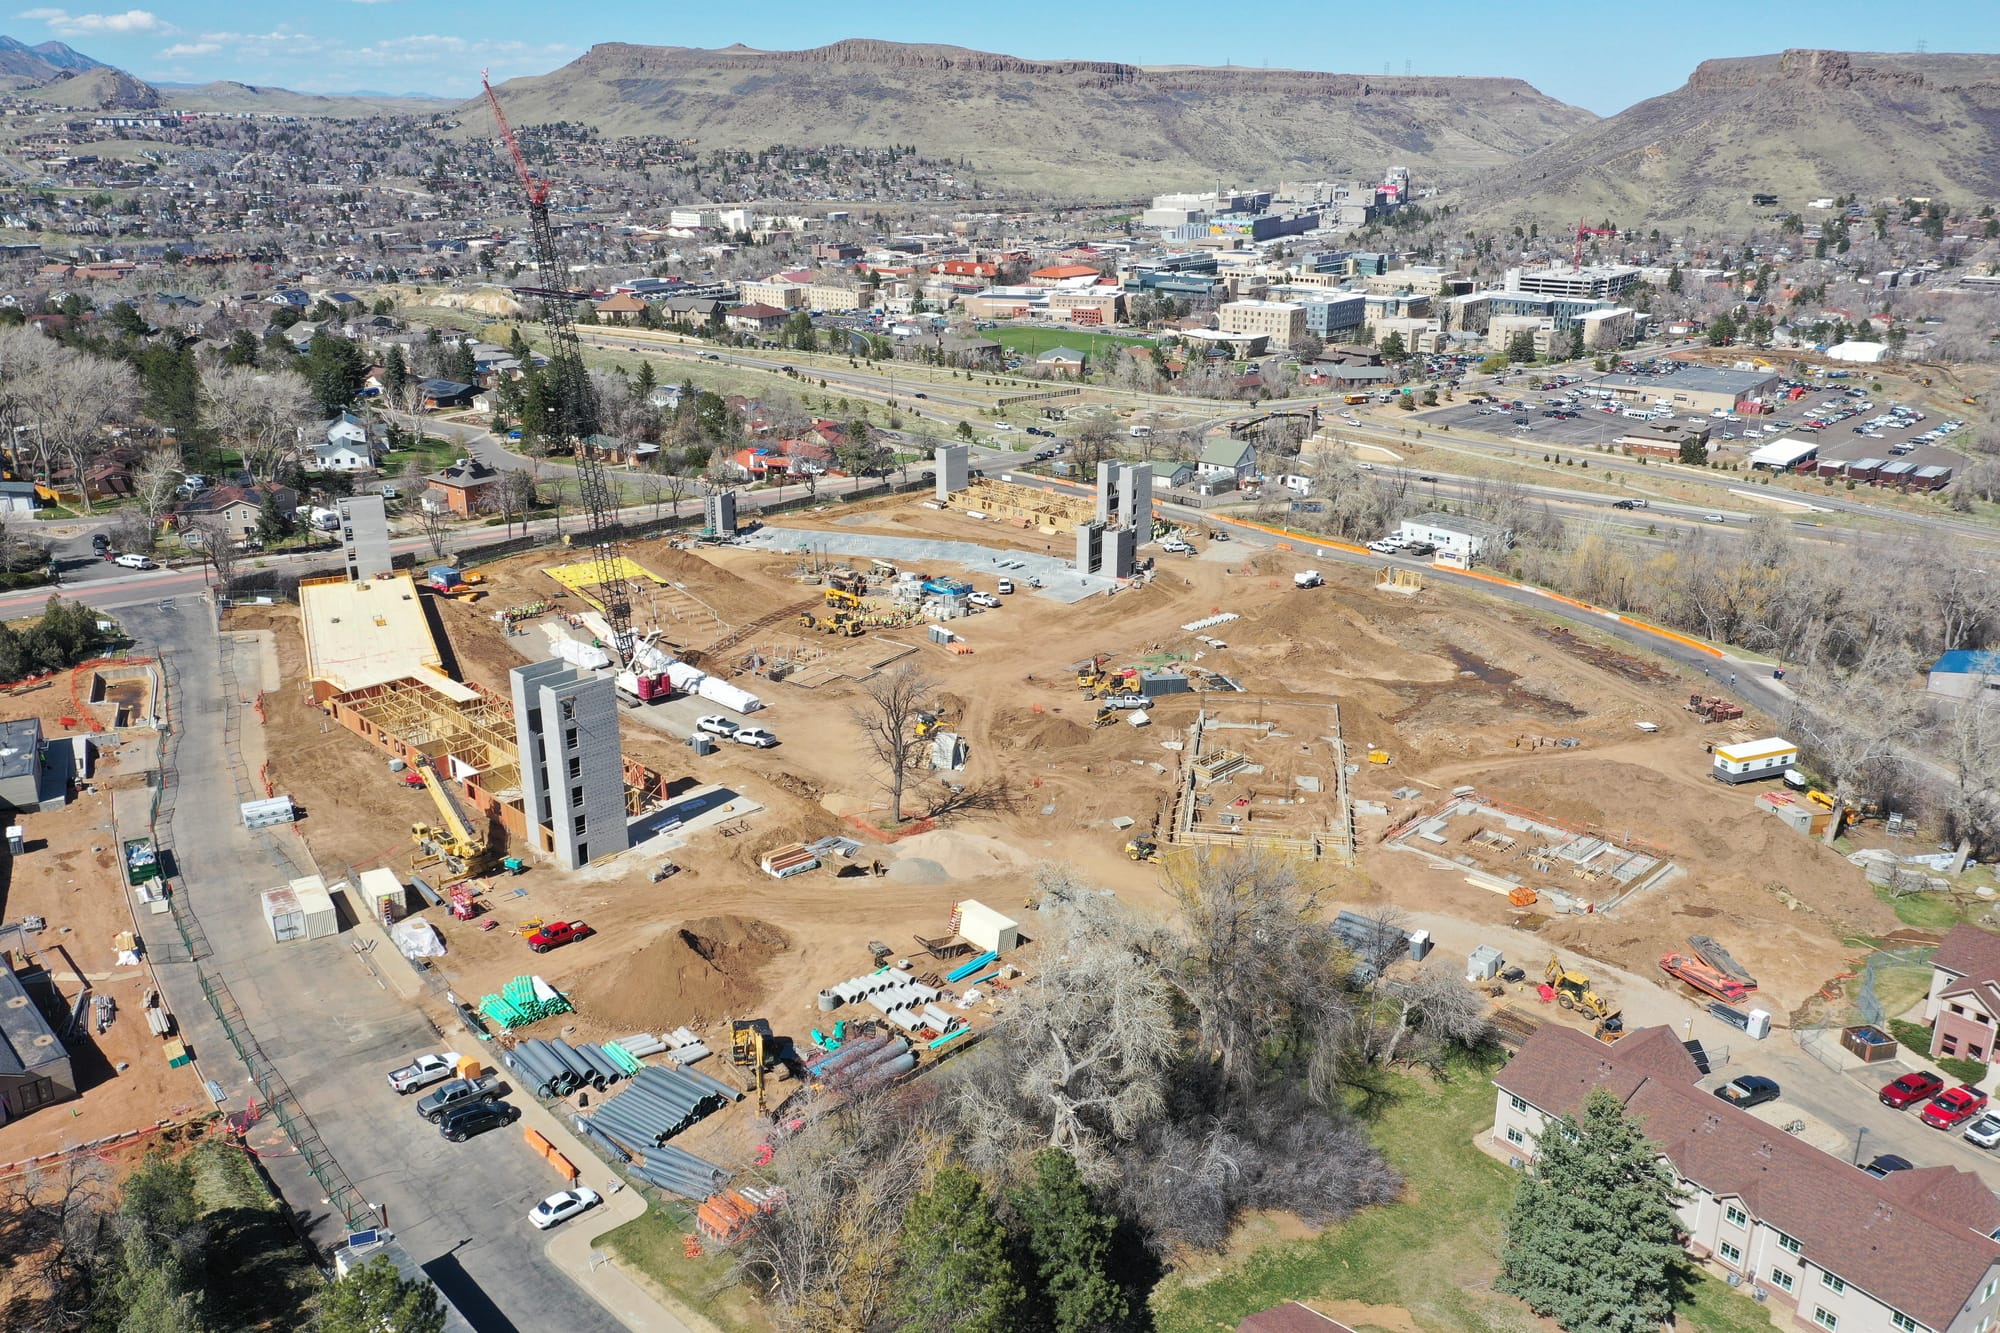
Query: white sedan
(561, 1207)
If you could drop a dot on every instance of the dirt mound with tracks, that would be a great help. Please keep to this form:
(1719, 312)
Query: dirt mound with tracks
(699, 972)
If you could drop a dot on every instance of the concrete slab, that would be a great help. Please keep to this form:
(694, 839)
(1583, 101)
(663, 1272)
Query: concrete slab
(1060, 581)
(670, 828)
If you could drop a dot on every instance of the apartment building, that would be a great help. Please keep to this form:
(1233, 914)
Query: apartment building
(1837, 1249)
(1283, 322)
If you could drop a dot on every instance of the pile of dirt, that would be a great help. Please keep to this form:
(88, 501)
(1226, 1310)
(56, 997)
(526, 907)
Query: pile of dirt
(1024, 729)
(701, 972)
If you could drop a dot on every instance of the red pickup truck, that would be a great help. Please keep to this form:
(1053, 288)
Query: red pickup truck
(558, 933)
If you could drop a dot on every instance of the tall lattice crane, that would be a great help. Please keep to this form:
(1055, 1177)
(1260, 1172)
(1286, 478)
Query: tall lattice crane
(572, 418)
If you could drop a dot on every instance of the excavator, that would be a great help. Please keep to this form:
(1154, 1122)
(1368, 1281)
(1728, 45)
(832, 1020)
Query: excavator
(452, 842)
(747, 1050)
(1089, 674)
(928, 725)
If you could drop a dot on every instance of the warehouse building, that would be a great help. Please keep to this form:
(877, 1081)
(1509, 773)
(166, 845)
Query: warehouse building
(1691, 388)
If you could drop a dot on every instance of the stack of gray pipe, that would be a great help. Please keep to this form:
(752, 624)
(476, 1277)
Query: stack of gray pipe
(640, 1045)
(597, 1136)
(683, 1173)
(853, 1050)
(889, 1060)
(556, 1069)
(658, 1104)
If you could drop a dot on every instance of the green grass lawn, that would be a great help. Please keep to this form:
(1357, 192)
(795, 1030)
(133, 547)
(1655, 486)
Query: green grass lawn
(1434, 1254)
(1031, 342)
(652, 1244)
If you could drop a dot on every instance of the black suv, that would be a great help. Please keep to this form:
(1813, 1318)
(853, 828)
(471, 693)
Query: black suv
(477, 1118)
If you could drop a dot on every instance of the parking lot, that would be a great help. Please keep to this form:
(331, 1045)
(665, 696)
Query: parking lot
(1855, 426)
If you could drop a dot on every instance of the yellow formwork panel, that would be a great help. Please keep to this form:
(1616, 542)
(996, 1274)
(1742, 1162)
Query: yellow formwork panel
(581, 577)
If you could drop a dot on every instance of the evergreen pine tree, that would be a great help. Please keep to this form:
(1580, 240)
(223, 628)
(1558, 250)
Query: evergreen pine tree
(954, 1274)
(1592, 1238)
(1069, 1244)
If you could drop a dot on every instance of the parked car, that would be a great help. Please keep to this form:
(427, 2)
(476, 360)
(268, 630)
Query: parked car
(1748, 1091)
(1911, 1088)
(423, 1071)
(1948, 1110)
(99, 542)
(985, 599)
(562, 1206)
(558, 933)
(477, 1118)
(453, 1095)
(1623, 504)
(1985, 1131)
(1886, 1162)
(715, 724)
(1004, 587)
(756, 736)
(131, 560)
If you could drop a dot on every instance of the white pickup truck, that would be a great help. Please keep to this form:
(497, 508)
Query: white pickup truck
(423, 1071)
(1307, 578)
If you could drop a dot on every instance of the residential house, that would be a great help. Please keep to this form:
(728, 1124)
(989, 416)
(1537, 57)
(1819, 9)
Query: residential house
(755, 318)
(1291, 1317)
(442, 394)
(1172, 474)
(1062, 360)
(233, 509)
(461, 488)
(18, 497)
(1963, 1005)
(696, 310)
(1837, 1249)
(962, 351)
(1235, 458)
(756, 462)
(614, 450)
(620, 308)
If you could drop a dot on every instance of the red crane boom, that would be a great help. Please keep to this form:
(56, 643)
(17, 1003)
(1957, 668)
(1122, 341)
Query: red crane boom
(571, 417)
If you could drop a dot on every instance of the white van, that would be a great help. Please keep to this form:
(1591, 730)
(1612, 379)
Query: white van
(1140, 432)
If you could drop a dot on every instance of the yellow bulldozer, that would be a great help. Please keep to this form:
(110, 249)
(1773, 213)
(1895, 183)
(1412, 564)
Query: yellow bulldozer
(1573, 991)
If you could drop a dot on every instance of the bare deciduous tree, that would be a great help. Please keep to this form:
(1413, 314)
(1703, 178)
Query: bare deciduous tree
(1854, 723)
(1262, 973)
(1443, 1011)
(260, 411)
(52, 1219)
(154, 482)
(887, 717)
(436, 520)
(81, 396)
(217, 547)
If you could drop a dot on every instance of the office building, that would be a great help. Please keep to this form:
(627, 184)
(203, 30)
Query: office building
(1283, 322)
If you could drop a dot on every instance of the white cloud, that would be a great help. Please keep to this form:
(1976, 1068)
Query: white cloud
(428, 48)
(65, 24)
(192, 49)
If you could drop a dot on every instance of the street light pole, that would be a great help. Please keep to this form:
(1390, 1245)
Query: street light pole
(1859, 1135)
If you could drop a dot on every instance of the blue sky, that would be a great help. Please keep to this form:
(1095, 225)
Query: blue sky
(1600, 56)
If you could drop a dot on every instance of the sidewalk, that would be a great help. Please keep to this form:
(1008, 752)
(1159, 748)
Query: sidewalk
(574, 1247)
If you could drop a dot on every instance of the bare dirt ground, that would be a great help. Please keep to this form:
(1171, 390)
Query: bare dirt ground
(69, 877)
(1455, 689)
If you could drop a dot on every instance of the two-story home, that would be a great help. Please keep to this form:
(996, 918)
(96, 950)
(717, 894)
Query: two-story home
(461, 488)
(344, 445)
(1837, 1248)
(1963, 1006)
(1235, 457)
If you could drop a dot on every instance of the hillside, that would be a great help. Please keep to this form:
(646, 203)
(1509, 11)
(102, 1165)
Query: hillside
(1801, 125)
(1082, 128)
(25, 66)
(228, 97)
(101, 89)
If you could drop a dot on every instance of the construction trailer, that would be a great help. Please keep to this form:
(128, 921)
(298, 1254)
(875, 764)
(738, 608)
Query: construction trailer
(1754, 761)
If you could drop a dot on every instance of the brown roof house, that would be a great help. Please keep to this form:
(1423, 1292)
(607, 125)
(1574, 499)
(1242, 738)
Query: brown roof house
(1291, 1317)
(1836, 1249)
(1963, 1006)
(620, 308)
(234, 508)
(460, 488)
(755, 318)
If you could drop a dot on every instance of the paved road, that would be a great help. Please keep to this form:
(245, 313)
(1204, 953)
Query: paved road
(328, 1020)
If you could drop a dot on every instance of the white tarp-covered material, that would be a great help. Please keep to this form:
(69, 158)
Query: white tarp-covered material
(729, 696)
(650, 658)
(684, 677)
(578, 653)
(415, 937)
